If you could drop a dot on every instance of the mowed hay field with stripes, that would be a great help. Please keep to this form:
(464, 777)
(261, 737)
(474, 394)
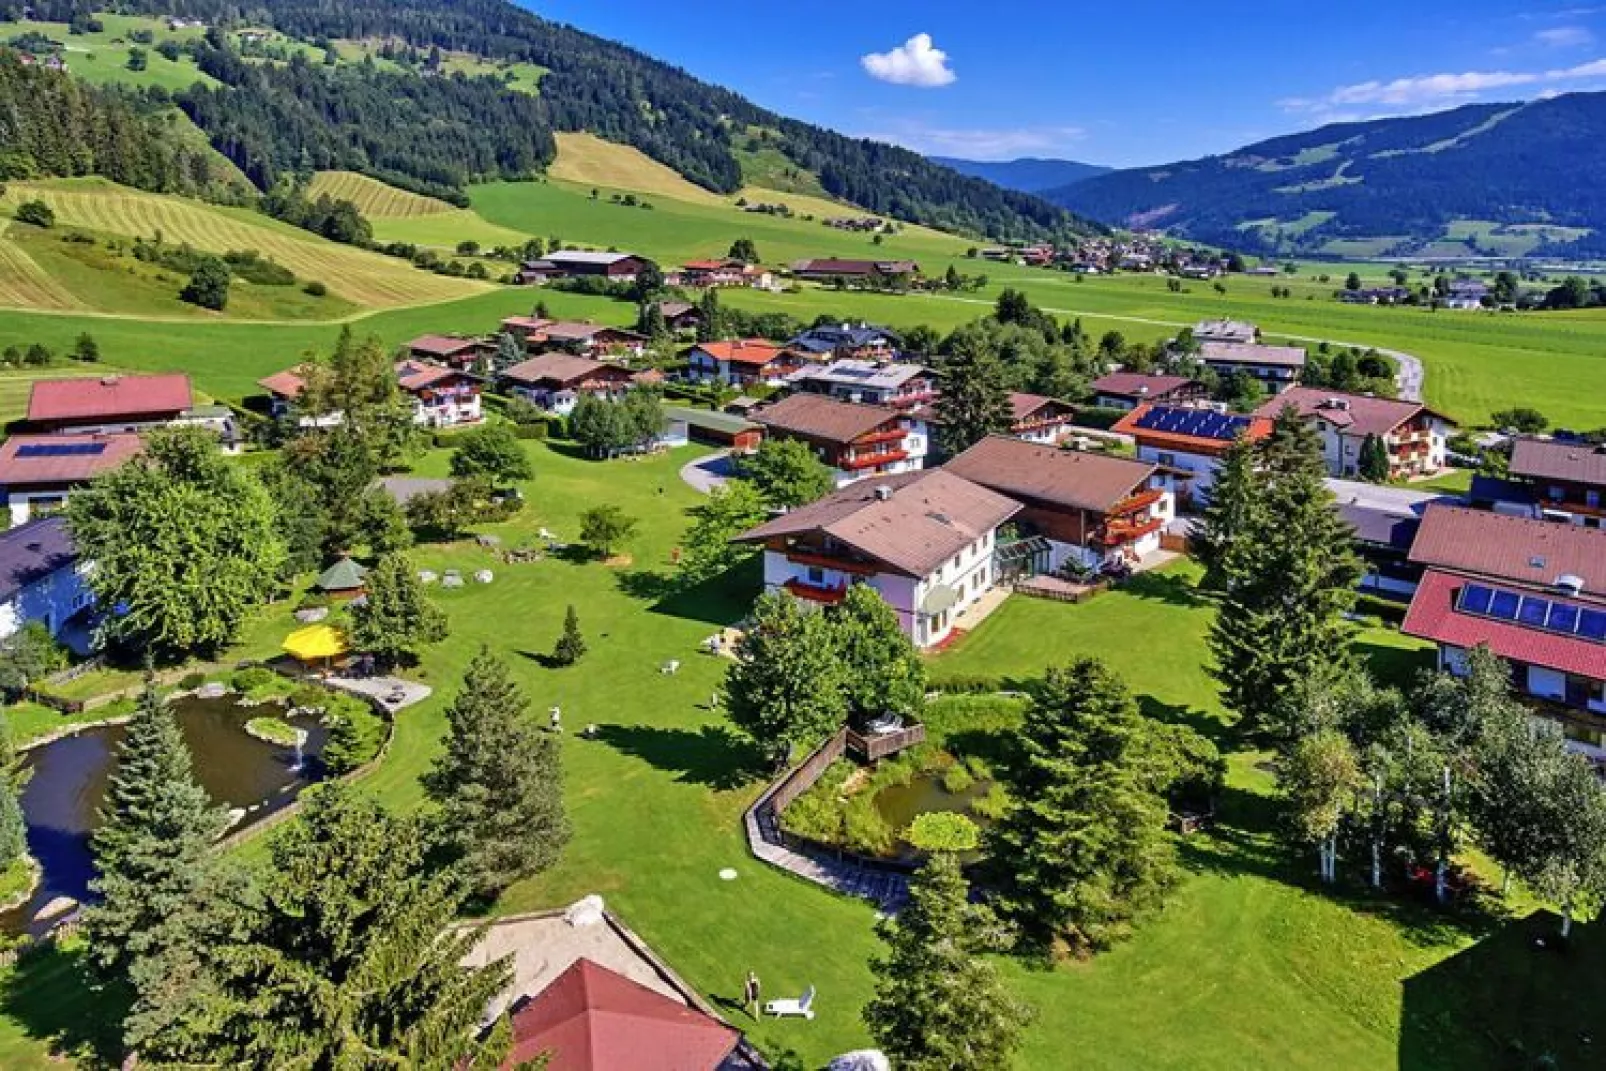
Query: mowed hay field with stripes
(24, 284)
(367, 279)
(373, 198)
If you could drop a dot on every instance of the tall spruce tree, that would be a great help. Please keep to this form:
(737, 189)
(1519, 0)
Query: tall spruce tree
(1373, 463)
(499, 782)
(396, 617)
(1083, 852)
(937, 1006)
(1286, 582)
(1234, 497)
(161, 890)
(975, 397)
(350, 960)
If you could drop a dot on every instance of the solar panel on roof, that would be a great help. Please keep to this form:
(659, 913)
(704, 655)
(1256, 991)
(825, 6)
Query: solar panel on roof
(60, 449)
(1563, 618)
(1533, 611)
(1592, 625)
(1475, 599)
(1504, 605)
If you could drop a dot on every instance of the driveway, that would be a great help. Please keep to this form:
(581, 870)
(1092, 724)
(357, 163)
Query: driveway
(708, 472)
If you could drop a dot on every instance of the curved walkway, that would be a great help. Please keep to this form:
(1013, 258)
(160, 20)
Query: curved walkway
(708, 472)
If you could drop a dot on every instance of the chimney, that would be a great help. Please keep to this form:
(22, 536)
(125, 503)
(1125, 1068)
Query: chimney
(1570, 584)
(883, 493)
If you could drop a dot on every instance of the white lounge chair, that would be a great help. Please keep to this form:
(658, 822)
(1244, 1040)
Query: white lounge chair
(670, 668)
(802, 1007)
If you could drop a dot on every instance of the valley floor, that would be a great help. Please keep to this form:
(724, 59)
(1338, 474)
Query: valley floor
(1249, 965)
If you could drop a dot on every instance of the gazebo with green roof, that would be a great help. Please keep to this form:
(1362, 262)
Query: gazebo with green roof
(343, 579)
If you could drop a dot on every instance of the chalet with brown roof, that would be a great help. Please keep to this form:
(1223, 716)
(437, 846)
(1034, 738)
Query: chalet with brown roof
(1186, 444)
(1088, 510)
(1415, 436)
(522, 327)
(828, 268)
(1128, 390)
(1037, 418)
(586, 339)
(38, 472)
(680, 315)
(1567, 480)
(743, 362)
(443, 397)
(1534, 593)
(856, 441)
(556, 381)
(1276, 367)
(449, 349)
(924, 540)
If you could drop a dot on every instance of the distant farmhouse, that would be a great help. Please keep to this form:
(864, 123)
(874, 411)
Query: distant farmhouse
(570, 263)
(829, 268)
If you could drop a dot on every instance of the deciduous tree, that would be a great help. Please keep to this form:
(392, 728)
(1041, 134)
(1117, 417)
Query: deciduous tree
(499, 783)
(603, 528)
(728, 512)
(786, 688)
(882, 671)
(492, 453)
(1319, 775)
(786, 473)
(185, 544)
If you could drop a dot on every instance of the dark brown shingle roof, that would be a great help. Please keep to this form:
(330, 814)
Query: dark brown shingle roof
(1046, 474)
(913, 522)
(817, 417)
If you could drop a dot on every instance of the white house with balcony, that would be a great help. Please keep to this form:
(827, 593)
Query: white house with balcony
(924, 541)
(857, 442)
(1415, 437)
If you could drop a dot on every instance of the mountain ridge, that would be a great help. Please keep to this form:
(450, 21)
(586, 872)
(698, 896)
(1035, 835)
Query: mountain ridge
(1494, 179)
(1028, 174)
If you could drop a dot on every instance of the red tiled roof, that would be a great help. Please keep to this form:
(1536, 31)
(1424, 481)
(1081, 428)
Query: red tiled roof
(1140, 385)
(37, 460)
(705, 265)
(815, 416)
(753, 352)
(1514, 549)
(441, 345)
(1433, 616)
(287, 384)
(88, 398)
(1047, 474)
(591, 1019)
(1355, 414)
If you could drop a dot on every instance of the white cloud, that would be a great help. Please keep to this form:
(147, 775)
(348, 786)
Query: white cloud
(1425, 91)
(916, 62)
(1565, 37)
(979, 144)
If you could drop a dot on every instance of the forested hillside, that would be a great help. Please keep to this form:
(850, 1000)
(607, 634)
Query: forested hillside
(268, 118)
(1403, 181)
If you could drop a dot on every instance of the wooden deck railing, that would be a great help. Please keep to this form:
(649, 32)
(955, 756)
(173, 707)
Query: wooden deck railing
(875, 748)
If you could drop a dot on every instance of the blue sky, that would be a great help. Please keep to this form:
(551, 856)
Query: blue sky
(1122, 83)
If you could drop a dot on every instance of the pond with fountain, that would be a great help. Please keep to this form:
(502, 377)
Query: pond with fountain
(68, 777)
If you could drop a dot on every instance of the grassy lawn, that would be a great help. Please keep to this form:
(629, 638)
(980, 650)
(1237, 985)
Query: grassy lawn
(1248, 966)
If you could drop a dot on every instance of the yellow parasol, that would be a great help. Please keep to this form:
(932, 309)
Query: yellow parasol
(315, 642)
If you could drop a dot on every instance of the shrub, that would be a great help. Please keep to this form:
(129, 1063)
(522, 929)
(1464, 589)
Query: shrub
(191, 681)
(969, 684)
(957, 779)
(530, 431)
(863, 828)
(943, 831)
(313, 600)
(1096, 416)
(992, 806)
(356, 734)
(37, 213)
(252, 678)
(522, 411)
(315, 289)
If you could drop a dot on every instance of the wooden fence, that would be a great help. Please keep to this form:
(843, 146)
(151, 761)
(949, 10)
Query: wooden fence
(876, 748)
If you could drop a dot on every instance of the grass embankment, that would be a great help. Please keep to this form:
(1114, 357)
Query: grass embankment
(365, 279)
